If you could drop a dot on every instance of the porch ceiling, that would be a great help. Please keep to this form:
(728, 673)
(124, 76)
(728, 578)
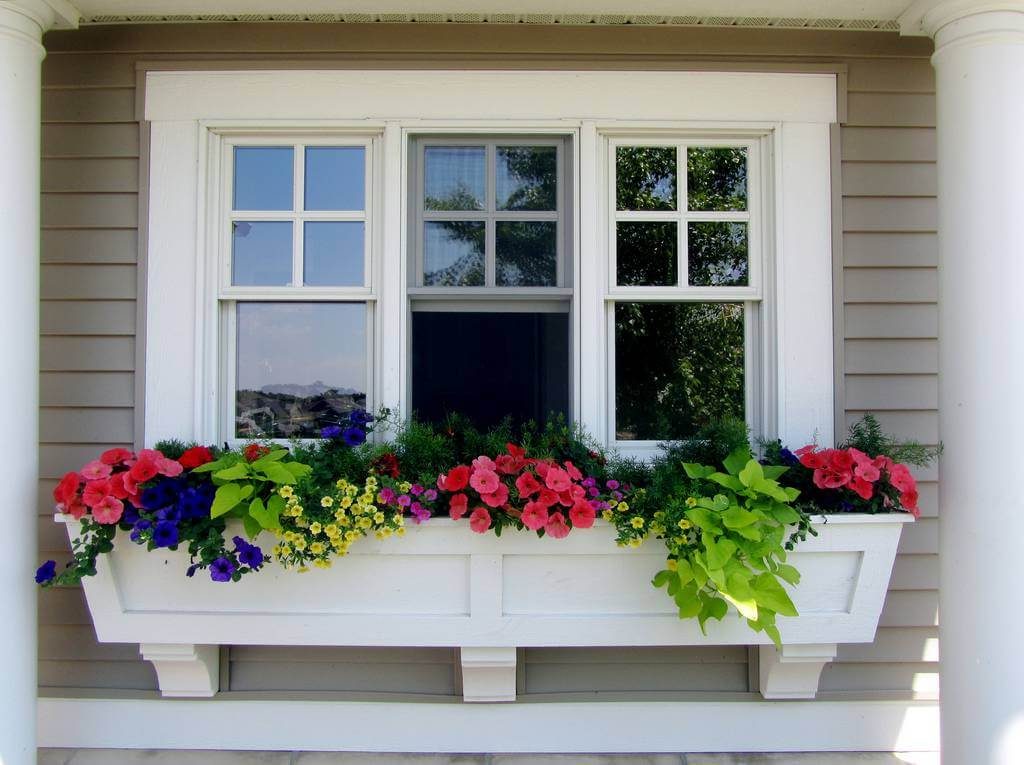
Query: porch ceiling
(817, 14)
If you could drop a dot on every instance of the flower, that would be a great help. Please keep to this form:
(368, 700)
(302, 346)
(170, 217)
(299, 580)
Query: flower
(145, 469)
(95, 470)
(810, 458)
(612, 484)
(556, 526)
(901, 478)
(194, 457)
(95, 492)
(535, 516)
(458, 505)
(222, 569)
(115, 484)
(527, 485)
(386, 464)
(404, 500)
(195, 502)
(636, 522)
(360, 417)
(484, 463)
(165, 534)
(496, 498)
(909, 501)
(582, 514)
(415, 489)
(248, 554)
(573, 471)
(557, 479)
(484, 480)
(456, 479)
(863, 488)
(506, 464)
(46, 572)
(115, 456)
(253, 452)
(330, 431)
(480, 520)
(354, 436)
(108, 511)
(168, 467)
(430, 495)
(67, 489)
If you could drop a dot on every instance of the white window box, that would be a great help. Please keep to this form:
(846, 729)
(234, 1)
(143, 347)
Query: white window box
(442, 585)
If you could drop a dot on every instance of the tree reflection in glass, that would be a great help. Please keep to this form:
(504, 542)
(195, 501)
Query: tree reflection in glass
(526, 177)
(716, 178)
(717, 254)
(453, 253)
(454, 178)
(678, 366)
(646, 254)
(645, 178)
(526, 253)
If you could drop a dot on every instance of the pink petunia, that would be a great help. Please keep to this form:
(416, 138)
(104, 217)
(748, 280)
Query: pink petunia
(169, 467)
(496, 498)
(810, 457)
(506, 464)
(95, 470)
(900, 477)
(527, 485)
(867, 471)
(458, 505)
(484, 480)
(547, 498)
(573, 471)
(76, 510)
(116, 456)
(108, 511)
(143, 470)
(116, 486)
(909, 501)
(480, 520)
(95, 492)
(557, 479)
(557, 527)
(484, 463)
(862, 487)
(827, 478)
(535, 516)
(582, 514)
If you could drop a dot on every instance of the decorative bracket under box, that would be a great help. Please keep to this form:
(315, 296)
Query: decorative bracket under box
(443, 585)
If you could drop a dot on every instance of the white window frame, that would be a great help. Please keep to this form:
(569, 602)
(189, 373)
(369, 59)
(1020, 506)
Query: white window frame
(795, 110)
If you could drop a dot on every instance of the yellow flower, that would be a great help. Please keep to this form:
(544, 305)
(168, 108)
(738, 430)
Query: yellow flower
(691, 501)
(401, 531)
(341, 483)
(315, 527)
(671, 564)
(322, 563)
(398, 520)
(352, 536)
(366, 499)
(302, 523)
(623, 507)
(386, 532)
(276, 551)
(607, 514)
(612, 502)
(286, 549)
(344, 521)
(380, 497)
(327, 502)
(684, 524)
(300, 544)
(636, 522)
(346, 501)
(657, 528)
(378, 517)
(635, 542)
(332, 530)
(302, 569)
(286, 491)
(351, 490)
(317, 548)
(364, 523)
(297, 511)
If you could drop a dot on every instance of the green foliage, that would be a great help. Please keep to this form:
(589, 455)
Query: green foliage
(726, 535)
(93, 540)
(248, 490)
(173, 448)
(867, 435)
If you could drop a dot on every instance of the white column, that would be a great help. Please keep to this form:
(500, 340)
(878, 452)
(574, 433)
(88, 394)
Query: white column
(979, 65)
(21, 28)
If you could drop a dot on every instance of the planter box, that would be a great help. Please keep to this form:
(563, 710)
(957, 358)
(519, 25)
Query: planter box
(442, 585)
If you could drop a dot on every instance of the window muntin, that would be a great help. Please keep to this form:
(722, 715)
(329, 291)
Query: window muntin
(296, 299)
(684, 275)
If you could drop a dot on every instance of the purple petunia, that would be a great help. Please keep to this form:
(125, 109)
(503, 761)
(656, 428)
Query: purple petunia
(165, 534)
(612, 484)
(222, 569)
(360, 417)
(430, 495)
(46, 572)
(248, 554)
(331, 431)
(354, 436)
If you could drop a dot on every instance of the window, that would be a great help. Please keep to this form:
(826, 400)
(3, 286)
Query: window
(295, 297)
(685, 284)
(490, 294)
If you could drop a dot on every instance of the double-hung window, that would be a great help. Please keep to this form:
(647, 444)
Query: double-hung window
(296, 285)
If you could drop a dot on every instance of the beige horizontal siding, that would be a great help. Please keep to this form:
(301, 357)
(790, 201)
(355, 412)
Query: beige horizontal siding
(89, 246)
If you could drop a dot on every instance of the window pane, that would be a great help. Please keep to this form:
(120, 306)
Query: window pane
(454, 178)
(717, 178)
(261, 253)
(678, 366)
(508, 365)
(300, 367)
(645, 178)
(264, 178)
(333, 254)
(527, 177)
(717, 254)
(646, 254)
(453, 253)
(527, 253)
(335, 178)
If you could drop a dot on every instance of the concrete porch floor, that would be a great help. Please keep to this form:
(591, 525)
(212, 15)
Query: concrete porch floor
(198, 757)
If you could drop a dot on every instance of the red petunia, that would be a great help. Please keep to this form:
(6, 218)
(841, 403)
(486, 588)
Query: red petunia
(506, 464)
(143, 470)
(527, 485)
(901, 478)
(827, 478)
(458, 505)
(67, 489)
(534, 516)
(840, 460)
(557, 479)
(480, 520)
(573, 471)
(862, 487)
(457, 478)
(547, 498)
(95, 492)
(254, 451)
(196, 456)
(116, 456)
(496, 498)
(909, 501)
(518, 452)
(582, 514)
(810, 458)
(117, 487)
(557, 527)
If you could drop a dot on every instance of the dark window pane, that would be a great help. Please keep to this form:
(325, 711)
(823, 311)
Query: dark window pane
(454, 177)
(527, 177)
(301, 367)
(717, 178)
(645, 178)
(335, 178)
(261, 253)
(333, 254)
(717, 254)
(526, 253)
(264, 178)
(678, 366)
(453, 253)
(646, 254)
(506, 365)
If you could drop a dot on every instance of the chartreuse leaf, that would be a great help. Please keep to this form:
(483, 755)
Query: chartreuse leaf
(770, 593)
(771, 488)
(662, 578)
(693, 470)
(297, 469)
(700, 572)
(728, 481)
(739, 593)
(736, 517)
(252, 526)
(712, 608)
(272, 456)
(738, 460)
(278, 473)
(227, 498)
(718, 553)
(751, 473)
(773, 472)
(234, 473)
(246, 492)
(749, 532)
(267, 515)
(703, 519)
(784, 514)
(688, 602)
(685, 572)
(788, 574)
(212, 467)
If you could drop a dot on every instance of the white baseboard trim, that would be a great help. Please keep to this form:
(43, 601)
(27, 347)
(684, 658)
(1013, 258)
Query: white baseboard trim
(627, 726)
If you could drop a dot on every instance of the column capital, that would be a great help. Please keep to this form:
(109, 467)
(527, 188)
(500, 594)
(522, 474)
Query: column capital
(930, 17)
(19, 15)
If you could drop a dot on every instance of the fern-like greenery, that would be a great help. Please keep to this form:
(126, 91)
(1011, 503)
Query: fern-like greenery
(867, 435)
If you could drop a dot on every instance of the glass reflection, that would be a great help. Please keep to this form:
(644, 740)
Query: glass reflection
(261, 253)
(646, 254)
(264, 178)
(527, 177)
(335, 178)
(300, 367)
(454, 177)
(645, 178)
(717, 178)
(526, 253)
(453, 253)
(333, 254)
(717, 254)
(678, 366)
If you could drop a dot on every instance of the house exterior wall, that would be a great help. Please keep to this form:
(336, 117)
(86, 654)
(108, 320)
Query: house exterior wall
(886, 318)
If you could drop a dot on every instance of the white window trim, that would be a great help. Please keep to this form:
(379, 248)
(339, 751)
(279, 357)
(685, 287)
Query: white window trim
(797, 109)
